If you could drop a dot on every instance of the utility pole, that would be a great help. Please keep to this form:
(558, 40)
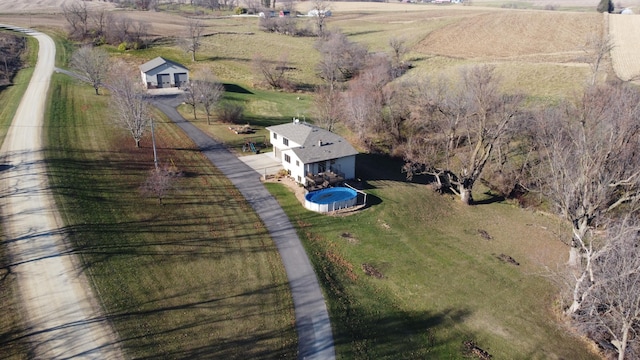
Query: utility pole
(153, 141)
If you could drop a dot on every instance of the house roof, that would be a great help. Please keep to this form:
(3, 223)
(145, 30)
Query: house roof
(317, 144)
(154, 63)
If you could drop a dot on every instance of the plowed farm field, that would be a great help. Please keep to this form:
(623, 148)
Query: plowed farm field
(625, 55)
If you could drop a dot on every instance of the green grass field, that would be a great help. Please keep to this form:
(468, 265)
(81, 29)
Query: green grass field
(196, 277)
(443, 283)
(200, 277)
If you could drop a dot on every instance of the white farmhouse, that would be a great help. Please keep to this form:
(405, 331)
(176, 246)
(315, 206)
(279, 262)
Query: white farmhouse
(163, 73)
(312, 156)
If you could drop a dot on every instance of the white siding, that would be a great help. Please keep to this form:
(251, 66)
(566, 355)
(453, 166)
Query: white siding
(151, 76)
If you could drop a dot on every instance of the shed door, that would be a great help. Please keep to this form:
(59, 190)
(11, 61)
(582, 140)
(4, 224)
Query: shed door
(180, 79)
(164, 80)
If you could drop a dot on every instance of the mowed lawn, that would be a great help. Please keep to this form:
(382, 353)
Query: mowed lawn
(442, 283)
(196, 277)
(442, 273)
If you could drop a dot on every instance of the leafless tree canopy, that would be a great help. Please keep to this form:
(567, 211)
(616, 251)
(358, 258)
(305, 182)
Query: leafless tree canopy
(273, 73)
(160, 181)
(610, 313)
(77, 16)
(455, 127)
(596, 49)
(93, 64)
(341, 59)
(128, 101)
(101, 26)
(363, 102)
(589, 149)
(320, 18)
(205, 91)
(192, 40)
(327, 107)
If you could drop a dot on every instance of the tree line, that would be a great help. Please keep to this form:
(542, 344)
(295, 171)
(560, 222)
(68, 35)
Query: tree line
(581, 155)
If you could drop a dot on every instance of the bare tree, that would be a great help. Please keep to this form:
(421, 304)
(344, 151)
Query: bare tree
(274, 74)
(455, 128)
(210, 90)
(340, 60)
(399, 50)
(320, 13)
(93, 64)
(611, 309)
(193, 39)
(128, 101)
(591, 168)
(158, 183)
(596, 49)
(191, 96)
(100, 20)
(77, 16)
(327, 107)
(363, 102)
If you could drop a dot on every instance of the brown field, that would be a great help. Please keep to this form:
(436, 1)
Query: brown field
(625, 33)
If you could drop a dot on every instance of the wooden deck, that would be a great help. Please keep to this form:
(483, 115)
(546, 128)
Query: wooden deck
(323, 180)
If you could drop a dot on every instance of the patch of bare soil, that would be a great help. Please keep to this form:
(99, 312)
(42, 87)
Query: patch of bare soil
(506, 34)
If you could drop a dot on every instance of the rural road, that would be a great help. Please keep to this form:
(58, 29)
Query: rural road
(63, 317)
(315, 338)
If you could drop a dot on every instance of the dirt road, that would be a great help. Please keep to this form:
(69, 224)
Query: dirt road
(62, 316)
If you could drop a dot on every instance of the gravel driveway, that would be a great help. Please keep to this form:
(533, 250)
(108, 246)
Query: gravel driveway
(63, 317)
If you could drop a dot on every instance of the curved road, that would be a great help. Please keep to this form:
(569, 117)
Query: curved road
(64, 320)
(315, 339)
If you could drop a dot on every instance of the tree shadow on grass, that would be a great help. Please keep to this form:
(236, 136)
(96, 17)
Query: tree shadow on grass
(235, 88)
(377, 167)
(220, 324)
(398, 335)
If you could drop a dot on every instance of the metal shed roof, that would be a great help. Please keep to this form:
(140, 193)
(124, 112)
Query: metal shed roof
(154, 63)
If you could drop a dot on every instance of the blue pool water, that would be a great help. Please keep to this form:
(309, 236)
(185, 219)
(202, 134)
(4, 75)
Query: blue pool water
(331, 195)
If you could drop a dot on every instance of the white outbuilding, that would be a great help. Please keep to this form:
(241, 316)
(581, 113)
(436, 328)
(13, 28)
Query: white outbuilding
(163, 73)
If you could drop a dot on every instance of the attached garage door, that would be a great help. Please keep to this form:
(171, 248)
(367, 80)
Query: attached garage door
(181, 79)
(164, 80)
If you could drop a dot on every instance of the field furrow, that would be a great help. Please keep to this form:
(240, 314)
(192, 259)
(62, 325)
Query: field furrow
(625, 33)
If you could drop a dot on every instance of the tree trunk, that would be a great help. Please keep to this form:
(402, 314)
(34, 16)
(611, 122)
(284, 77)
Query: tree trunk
(137, 142)
(208, 119)
(622, 345)
(97, 90)
(574, 257)
(464, 188)
(465, 195)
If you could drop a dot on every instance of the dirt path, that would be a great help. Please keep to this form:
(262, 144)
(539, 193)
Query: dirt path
(62, 316)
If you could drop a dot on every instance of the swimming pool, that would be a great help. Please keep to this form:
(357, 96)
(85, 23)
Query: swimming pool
(330, 199)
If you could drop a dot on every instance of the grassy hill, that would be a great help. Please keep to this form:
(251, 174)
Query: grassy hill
(169, 275)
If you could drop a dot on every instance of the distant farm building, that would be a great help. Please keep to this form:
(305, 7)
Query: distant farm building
(317, 12)
(163, 73)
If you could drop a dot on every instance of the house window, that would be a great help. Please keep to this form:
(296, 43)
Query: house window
(299, 178)
(287, 158)
(275, 136)
(285, 141)
(297, 163)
